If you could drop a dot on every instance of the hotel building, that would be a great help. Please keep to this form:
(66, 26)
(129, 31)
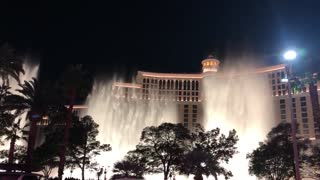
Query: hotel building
(186, 90)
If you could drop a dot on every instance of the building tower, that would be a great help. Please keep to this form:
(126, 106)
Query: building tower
(210, 64)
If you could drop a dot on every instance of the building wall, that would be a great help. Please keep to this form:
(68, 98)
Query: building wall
(186, 90)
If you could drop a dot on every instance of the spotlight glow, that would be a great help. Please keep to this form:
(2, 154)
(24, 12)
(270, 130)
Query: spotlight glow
(290, 55)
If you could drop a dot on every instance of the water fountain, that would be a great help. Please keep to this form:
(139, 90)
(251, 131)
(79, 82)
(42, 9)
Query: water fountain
(242, 103)
(121, 121)
(232, 102)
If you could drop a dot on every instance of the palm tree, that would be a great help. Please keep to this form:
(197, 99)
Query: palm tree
(14, 133)
(5, 115)
(75, 84)
(10, 64)
(34, 100)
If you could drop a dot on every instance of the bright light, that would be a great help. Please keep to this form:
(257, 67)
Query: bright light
(285, 80)
(290, 55)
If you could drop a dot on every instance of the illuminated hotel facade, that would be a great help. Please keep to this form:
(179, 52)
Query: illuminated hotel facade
(186, 90)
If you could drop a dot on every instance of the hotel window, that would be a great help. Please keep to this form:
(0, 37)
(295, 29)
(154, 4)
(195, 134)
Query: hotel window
(293, 99)
(194, 120)
(303, 103)
(273, 88)
(272, 75)
(197, 85)
(185, 125)
(282, 75)
(283, 111)
(278, 74)
(282, 106)
(194, 106)
(278, 81)
(283, 117)
(194, 115)
(294, 105)
(194, 111)
(188, 85)
(185, 115)
(283, 86)
(273, 81)
(304, 109)
(302, 98)
(185, 106)
(282, 101)
(279, 92)
(298, 131)
(304, 114)
(274, 93)
(306, 131)
(305, 120)
(305, 126)
(185, 110)
(279, 87)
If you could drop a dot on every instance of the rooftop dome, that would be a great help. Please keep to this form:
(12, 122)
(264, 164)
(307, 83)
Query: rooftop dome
(210, 64)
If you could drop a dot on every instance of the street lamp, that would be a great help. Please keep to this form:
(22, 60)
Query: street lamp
(289, 56)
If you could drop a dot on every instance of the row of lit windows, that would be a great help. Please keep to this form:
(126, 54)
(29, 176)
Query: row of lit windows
(171, 84)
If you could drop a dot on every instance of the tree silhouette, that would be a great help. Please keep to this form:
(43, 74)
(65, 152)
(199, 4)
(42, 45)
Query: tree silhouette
(133, 166)
(273, 159)
(11, 65)
(83, 145)
(163, 147)
(209, 150)
(74, 84)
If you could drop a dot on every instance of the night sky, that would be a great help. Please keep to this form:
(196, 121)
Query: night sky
(162, 36)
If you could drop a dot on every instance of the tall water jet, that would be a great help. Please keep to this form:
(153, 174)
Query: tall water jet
(121, 120)
(239, 100)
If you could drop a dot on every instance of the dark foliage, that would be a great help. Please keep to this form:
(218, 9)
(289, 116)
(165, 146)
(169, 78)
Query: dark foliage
(273, 159)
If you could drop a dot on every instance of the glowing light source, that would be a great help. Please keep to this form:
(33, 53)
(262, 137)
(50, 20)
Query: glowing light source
(285, 80)
(290, 55)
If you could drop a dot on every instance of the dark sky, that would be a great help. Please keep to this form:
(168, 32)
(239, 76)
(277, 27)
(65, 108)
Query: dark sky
(165, 36)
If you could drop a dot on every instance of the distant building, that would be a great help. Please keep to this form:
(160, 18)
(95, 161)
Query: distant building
(187, 91)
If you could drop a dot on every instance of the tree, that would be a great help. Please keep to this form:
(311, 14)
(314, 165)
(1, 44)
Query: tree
(163, 147)
(11, 65)
(84, 146)
(75, 84)
(35, 99)
(6, 116)
(19, 154)
(133, 166)
(14, 133)
(313, 163)
(46, 158)
(209, 150)
(273, 159)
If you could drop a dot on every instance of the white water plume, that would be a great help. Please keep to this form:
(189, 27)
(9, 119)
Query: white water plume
(122, 121)
(243, 103)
